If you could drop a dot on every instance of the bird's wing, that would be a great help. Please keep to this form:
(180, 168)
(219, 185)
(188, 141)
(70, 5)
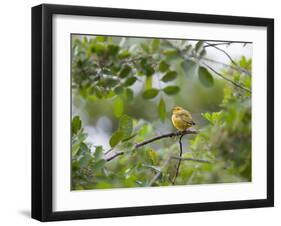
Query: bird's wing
(186, 116)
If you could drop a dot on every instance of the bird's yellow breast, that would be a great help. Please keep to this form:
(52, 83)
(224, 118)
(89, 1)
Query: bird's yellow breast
(179, 123)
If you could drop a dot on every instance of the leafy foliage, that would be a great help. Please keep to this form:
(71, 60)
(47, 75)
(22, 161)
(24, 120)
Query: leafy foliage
(205, 77)
(133, 83)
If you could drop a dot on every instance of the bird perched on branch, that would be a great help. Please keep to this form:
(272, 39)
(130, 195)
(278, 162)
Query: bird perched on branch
(182, 119)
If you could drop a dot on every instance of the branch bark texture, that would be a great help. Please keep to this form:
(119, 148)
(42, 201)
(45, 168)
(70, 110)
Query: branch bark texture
(174, 134)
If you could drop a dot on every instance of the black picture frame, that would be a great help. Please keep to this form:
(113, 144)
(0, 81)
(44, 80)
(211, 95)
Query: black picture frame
(42, 107)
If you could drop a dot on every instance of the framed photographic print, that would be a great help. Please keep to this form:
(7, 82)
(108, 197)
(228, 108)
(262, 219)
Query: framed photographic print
(145, 112)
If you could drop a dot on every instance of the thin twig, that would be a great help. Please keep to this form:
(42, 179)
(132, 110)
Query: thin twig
(136, 59)
(114, 156)
(174, 134)
(227, 79)
(217, 44)
(239, 69)
(228, 56)
(231, 59)
(160, 172)
(108, 151)
(226, 43)
(191, 159)
(179, 163)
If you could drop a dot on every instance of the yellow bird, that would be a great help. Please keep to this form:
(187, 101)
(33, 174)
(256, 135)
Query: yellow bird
(182, 119)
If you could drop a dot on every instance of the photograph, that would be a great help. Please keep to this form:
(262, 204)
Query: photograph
(141, 112)
(156, 111)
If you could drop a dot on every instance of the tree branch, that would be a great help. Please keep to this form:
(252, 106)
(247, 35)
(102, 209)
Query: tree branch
(174, 134)
(227, 79)
(114, 156)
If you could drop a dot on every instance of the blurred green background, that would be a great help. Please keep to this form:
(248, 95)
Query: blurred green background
(123, 91)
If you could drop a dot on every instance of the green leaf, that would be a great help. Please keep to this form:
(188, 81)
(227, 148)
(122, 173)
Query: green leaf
(199, 46)
(171, 90)
(130, 81)
(100, 48)
(129, 138)
(84, 161)
(109, 94)
(111, 82)
(129, 94)
(98, 165)
(81, 137)
(190, 67)
(84, 148)
(207, 116)
(162, 110)
(247, 82)
(99, 91)
(155, 44)
(74, 150)
(98, 154)
(153, 156)
(125, 71)
(126, 126)
(100, 38)
(150, 93)
(76, 124)
(124, 54)
(212, 117)
(144, 46)
(170, 52)
(146, 67)
(216, 116)
(203, 53)
(118, 89)
(149, 70)
(148, 82)
(143, 63)
(163, 66)
(243, 62)
(169, 76)
(205, 77)
(188, 48)
(113, 49)
(118, 107)
(115, 138)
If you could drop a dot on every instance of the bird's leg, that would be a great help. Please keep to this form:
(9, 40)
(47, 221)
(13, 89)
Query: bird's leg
(179, 132)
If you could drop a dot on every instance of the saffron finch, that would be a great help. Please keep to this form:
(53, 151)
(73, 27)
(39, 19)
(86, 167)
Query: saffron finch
(182, 119)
